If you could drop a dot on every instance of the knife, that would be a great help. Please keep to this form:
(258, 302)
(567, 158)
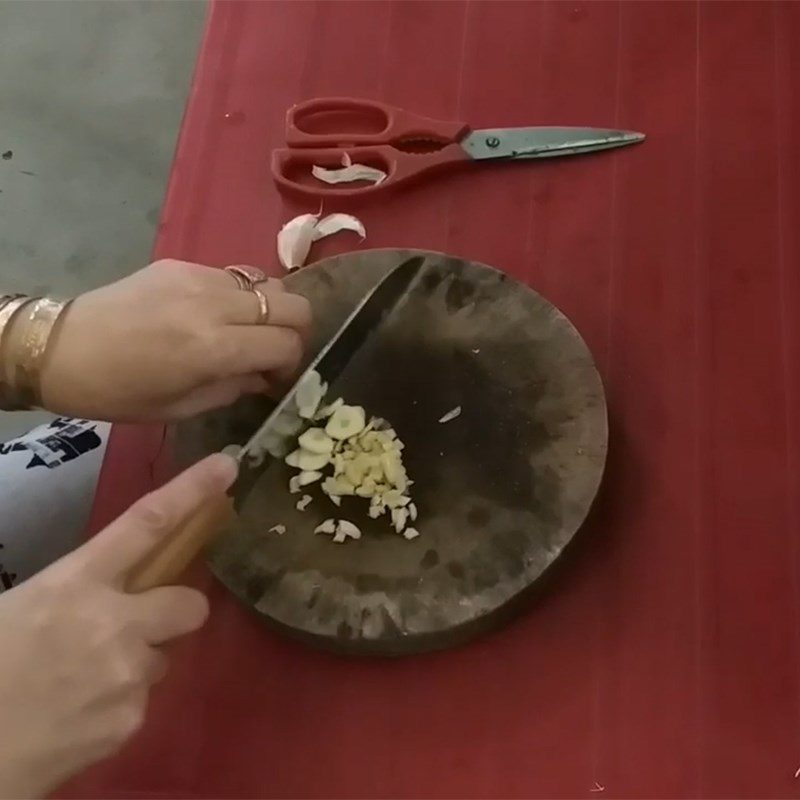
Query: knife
(168, 560)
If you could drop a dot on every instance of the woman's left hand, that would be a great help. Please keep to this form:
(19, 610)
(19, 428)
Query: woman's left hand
(169, 341)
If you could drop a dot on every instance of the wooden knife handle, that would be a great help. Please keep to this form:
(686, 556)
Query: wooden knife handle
(168, 560)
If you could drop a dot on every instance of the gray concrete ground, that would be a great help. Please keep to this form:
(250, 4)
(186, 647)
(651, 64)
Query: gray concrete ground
(91, 97)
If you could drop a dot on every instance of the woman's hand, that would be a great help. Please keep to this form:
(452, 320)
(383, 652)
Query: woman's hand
(80, 655)
(169, 341)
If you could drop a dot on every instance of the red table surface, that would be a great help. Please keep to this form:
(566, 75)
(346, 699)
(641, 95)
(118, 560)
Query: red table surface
(664, 661)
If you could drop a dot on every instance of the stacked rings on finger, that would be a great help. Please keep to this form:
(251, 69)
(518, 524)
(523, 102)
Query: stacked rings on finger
(246, 279)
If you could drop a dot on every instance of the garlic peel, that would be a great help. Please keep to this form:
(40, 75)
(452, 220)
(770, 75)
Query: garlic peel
(349, 174)
(451, 415)
(334, 223)
(294, 240)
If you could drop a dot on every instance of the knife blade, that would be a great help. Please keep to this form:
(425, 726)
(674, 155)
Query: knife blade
(166, 563)
(362, 322)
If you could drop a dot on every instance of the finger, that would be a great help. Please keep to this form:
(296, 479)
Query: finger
(221, 278)
(273, 284)
(167, 613)
(123, 544)
(286, 310)
(154, 666)
(217, 394)
(247, 349)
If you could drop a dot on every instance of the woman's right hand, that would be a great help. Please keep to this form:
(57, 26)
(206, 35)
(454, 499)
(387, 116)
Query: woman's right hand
(80, 654)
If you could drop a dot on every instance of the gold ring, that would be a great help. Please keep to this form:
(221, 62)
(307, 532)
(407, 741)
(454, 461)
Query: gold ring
(241, 283)
(263, 306)
(246, 277)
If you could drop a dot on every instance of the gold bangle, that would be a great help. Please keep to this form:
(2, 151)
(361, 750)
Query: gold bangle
(10, 400)
(28, 357)
(5, 299)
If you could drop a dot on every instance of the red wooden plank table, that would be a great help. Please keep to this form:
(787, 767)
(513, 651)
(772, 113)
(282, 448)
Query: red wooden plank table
(664, 661)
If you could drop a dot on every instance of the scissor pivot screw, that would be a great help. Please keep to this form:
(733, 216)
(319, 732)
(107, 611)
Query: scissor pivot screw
(492, 141)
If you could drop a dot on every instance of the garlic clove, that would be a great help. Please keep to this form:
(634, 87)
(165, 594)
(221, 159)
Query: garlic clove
(410, 533)
(339, 486)
(346, 422)
(315, 440)
(392, 467)
(309, 476)
(306, 461)
(395, 498)
(366, 488)
(326, 411)
(309, 394)
(328, 526)
(399, 518)
(304, 502)
(348, 529)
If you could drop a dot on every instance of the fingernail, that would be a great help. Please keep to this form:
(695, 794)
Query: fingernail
(223, 467)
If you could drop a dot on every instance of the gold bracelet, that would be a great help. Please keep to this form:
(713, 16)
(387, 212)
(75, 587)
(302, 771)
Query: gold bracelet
(27, 358)
(9, 397)
(5, 299)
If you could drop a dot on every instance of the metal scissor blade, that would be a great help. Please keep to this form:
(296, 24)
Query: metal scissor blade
(544, 142)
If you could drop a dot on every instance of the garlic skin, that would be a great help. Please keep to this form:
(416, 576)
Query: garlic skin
(349, 174)
(297, 235)
(451, 415)
(334, 223)
(294, 240)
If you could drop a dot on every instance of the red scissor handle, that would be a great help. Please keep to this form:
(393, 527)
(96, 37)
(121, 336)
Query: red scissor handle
(346, 121)
(291, 169)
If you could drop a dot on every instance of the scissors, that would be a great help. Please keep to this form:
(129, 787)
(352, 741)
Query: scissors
(324, 132)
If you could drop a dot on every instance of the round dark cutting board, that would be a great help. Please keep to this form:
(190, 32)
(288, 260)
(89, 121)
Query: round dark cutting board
(501, 489)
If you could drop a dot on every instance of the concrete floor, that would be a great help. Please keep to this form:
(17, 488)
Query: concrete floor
(91, 97)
